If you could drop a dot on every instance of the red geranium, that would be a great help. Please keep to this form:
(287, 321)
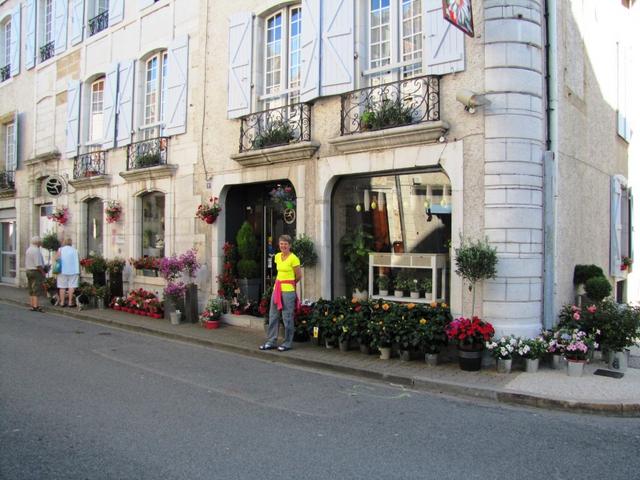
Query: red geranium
(470, 331)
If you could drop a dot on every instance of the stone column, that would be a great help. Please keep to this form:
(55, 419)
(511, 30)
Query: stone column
(513, 177)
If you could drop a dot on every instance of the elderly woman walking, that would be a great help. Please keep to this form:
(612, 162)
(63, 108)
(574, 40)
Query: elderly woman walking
(69, 273)
(284, 298)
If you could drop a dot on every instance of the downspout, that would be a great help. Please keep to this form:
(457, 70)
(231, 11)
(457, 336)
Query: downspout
(550, 163)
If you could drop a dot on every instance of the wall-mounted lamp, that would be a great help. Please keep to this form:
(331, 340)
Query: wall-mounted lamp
(471, 100)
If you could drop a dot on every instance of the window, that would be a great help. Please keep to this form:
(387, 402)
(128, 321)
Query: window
(397, 44)
(96, 120)
(10, 146)
(282, 57)
(6, 43)
(47, 23)
(155, 93)
(152, 224)
(403, 213)
(95, 227)
(98, 16)
(8, 251)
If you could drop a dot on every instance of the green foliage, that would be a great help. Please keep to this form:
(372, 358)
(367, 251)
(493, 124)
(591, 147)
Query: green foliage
(148, 160)
(116, 265)
(276, 133)
(50, 241)
(383, 282)
(248, 249)
(426, 285)
(476, 261)
(597, 288)
(304, 249)
(356, 245)
(582, 273)
(386, 114)
(619, 325)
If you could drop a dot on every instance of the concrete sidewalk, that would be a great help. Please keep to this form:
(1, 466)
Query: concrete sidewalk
(546, 389)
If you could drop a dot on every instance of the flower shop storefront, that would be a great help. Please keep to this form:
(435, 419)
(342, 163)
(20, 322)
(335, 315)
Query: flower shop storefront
(255, 216)
(403, 216)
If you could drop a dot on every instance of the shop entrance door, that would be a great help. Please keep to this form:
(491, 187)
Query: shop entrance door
(277, 221)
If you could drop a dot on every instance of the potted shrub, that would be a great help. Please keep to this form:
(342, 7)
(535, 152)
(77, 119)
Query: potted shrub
(503, 350)
(383, 283)
(405, 331)
(582, 273)
(470, 335)
(356, 245)
(174, 301)
(426, 286)
(304, 249)
(619, 326)
(247, 266)
(597, 288)
(531, 349)
(475, 261)
(382, 327)
(431, 332)
(210, 317)
(401, 285)
(208, 212)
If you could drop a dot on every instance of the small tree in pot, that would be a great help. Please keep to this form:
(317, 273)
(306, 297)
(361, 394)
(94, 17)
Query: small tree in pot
(475, 261)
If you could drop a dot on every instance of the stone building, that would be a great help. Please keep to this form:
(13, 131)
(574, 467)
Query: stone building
(334, 119)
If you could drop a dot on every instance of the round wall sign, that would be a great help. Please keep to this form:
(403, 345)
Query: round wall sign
(289, 216)
(54, 186)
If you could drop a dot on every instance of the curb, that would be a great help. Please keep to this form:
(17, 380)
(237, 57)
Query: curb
(432, 386)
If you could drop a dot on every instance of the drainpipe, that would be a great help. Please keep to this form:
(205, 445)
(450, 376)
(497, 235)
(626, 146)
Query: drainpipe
(550, 163)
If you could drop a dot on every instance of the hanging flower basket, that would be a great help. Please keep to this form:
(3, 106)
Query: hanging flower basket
(113, 211)
(283, 197)
(209, 212)
(60, 215)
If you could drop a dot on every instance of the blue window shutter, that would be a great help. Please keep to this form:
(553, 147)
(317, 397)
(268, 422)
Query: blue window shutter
(240, 64)
(116, 11)
(337, 68)
(124, 111)
(178, 67)
(73, 117)
(310, 50)
(616, 227)
(444, 43)
(60, 15)
(15, 41)
(109, 104)
(30, 34)
(77, 21)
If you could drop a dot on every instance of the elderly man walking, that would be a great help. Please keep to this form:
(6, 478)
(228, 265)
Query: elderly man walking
(34, 265)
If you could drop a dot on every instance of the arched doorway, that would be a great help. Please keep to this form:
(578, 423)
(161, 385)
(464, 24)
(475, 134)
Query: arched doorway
(270, 210)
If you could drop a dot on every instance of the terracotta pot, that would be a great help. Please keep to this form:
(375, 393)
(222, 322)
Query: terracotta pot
(211, 324)
(209, 219)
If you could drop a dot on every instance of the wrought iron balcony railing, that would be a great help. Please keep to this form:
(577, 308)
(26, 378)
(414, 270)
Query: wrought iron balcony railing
(47, 51)
(8, 180)
(98, 23)
(276, 127)
(5, 72)
(394, 104)
(89, 164)
(147, 153)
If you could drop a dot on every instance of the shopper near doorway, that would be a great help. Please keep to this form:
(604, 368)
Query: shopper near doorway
(283, 299)
(34, 265)
(69, 273)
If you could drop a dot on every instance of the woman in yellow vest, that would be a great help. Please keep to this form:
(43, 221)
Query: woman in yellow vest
(284, 299)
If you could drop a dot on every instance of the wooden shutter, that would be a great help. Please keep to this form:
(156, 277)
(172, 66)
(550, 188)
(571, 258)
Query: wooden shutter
(116, 11)
(145, 3)
(109, 103)
(124, 112)
(338, 48)
(77, 21)
(616, 227)
(178, 66)
(240, 64)
(60, 15)
(310, 50)
(73, 117)
(30, 34)
(444, 43)
(15, 41)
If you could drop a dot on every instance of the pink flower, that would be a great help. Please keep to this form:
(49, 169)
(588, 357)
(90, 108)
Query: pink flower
(591, 309)
(576, 316)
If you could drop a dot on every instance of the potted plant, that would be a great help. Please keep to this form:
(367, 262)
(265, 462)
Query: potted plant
(426, 286)
(431, 332)
(414, 288)
(383, 283)
(85, 295)
(153, 307)
(247, 266)
(210, 317)
(626, 264)
(556, 343)
(405, 331)
(531, 349)
(576, 349)
(382, 327)
(147, 265)
(619, 326)
(60, 215)
(174, 301)
(277, 132)
(96, 265)
(113, 211)
(356, 245)
(190, 267)
(401, 285)
(582, 273)
(208, 212)
(503, 350)
(101, 293)
(227, 282)
(597, 288)
(470, 335)
(50, 242)
(301, 318)
(475, 261)
(304, 249)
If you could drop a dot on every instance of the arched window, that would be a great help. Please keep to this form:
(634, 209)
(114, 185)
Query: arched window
(95, 227)
(152, 224)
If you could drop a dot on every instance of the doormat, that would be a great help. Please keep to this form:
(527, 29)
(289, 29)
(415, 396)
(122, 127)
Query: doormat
(608, 373)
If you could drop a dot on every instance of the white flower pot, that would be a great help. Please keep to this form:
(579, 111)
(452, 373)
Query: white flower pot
(504, 365)
(383, 293)
(175, 317)
(385, 353)
(398, 293)
(531, 365)
(575, 368)
(558, 362)
(431, 359)
(619, 361)
(428, 295)
(415, 294)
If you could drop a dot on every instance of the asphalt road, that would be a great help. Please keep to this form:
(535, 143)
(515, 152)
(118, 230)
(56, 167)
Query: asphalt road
(83, 401)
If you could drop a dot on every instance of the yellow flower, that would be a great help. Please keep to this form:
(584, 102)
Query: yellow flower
(385, 307)
(410, 305)
(341, 317)
(423, 321)
(333, 319)
(443, 305)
